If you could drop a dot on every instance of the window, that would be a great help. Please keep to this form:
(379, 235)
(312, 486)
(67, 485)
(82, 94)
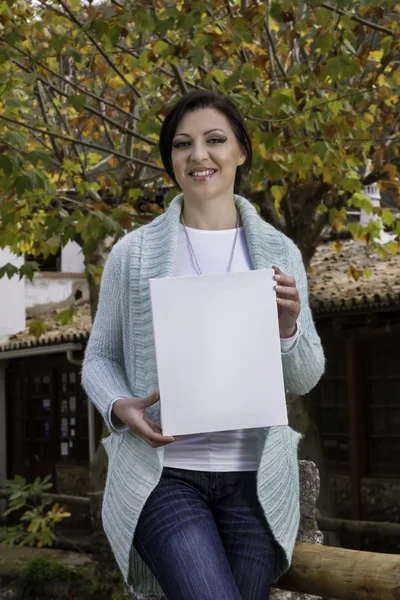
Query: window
(376, 412)
(383, 407)
(47, 416)
(50, 264)
(73, 419)
(331, 399)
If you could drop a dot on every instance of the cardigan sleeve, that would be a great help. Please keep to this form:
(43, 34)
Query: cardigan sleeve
(103, 372)
(304, 364)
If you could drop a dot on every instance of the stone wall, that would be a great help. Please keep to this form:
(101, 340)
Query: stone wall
(380, 501)
(74, 481)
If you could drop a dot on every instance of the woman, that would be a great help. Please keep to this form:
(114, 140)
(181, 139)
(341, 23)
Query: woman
(210, 516)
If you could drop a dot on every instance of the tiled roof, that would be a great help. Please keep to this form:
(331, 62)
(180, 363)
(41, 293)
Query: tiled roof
(77, 331)
(331, 290)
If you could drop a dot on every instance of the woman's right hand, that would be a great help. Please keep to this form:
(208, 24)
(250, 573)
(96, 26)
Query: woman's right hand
(131, 412)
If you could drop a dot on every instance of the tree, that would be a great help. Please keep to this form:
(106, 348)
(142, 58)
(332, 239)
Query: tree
(84, 89)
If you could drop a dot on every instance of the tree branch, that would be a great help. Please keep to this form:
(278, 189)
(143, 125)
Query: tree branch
(131, 124)
(86, 92)
(78, 87)
(67, 129)
(113, 66)
(315, 106)
(358, 19)
(272, 48)
(82, 143)
(162, 69)
(180, 79)
(43, 110)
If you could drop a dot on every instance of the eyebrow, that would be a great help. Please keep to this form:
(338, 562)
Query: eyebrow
(205, 133)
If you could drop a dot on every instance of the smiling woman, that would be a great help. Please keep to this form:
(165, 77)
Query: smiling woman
(215, 514)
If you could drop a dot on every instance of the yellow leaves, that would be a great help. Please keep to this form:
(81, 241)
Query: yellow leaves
(37, 328)
(94, 158)
(391, 171)
(376, 55)
(354, 272)
(262, 150)
(381, 79)
(278, 192)
(337, 246)
(58, 513)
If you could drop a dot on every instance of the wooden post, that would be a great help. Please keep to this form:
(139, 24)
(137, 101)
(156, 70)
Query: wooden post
(358, 451)
(342, 574)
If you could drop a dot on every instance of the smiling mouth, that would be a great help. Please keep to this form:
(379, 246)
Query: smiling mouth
(202, 174)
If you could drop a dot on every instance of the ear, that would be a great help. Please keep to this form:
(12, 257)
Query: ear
(242, 159)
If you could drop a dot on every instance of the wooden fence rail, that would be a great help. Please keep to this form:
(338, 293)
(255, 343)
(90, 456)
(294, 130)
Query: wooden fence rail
(363, 527)
(343, 574)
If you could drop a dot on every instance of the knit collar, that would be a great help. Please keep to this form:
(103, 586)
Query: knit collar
(264, 241)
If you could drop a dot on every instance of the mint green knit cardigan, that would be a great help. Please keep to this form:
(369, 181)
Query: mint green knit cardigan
(120, 361)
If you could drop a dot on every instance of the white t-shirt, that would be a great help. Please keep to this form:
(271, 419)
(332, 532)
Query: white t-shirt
(222, 450)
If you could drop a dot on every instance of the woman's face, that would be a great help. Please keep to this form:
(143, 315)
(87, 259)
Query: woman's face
(205, 154)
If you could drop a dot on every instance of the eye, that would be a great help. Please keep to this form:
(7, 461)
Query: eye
(217, 140)
(180, 144)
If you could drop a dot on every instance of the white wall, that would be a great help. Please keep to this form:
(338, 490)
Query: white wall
(50, 290)
(12, 298)
(45, 291)
(72, 258)
(3, 457)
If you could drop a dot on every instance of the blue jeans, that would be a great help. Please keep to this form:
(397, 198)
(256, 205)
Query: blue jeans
(205, 537)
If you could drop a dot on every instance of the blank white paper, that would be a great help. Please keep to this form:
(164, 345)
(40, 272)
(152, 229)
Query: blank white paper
(218, 352)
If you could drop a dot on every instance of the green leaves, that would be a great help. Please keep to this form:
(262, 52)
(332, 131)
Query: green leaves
(341, 67)
(37, 328)
(78, 101)
(65, 317)
(8, 270)
(38, 520)
(361, 201)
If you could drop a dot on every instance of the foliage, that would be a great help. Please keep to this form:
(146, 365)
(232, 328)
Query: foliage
(37, 519)
(45, 577)
(84, 88)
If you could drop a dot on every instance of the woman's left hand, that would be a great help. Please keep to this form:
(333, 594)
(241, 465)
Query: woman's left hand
(288, 299)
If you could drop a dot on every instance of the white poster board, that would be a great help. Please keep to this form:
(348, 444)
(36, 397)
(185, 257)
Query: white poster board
(218, 352)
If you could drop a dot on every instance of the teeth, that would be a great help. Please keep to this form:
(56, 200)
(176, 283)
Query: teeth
(202, 173)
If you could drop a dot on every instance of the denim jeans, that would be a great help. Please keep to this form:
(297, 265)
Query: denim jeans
(204, 536)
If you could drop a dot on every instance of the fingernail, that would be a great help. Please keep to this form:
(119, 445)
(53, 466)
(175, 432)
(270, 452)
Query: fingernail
(278, 277)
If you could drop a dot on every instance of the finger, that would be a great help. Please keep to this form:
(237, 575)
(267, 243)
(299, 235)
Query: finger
(285, 280)
(145, 430)
(291, 305)
(290, 292)
(149, 400)
(277, 270)
(154, 426)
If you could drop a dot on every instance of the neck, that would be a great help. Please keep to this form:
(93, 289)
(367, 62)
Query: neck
(210, 214)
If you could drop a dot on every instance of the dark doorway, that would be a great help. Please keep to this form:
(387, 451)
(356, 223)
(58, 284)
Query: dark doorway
(47, 421)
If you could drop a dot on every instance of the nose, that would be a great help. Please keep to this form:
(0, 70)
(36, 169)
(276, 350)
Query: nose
(199, 152)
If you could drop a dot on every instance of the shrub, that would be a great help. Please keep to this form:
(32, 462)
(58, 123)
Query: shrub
(38, 519)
